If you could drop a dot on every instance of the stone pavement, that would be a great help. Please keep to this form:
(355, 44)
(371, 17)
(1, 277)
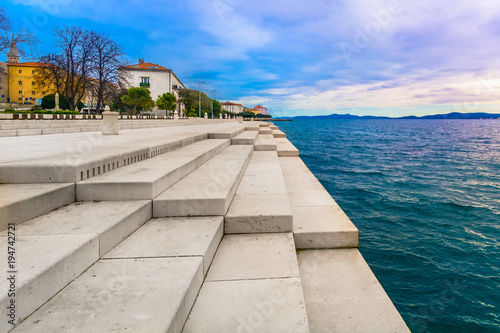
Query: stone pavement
(206, 227)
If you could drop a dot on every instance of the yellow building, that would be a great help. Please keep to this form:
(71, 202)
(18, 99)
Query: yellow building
(21, 85)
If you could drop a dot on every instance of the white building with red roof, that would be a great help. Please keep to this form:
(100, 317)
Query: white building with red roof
(232, 107)
(156, 78)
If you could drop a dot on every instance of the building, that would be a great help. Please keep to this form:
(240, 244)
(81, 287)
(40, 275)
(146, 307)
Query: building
(232, 107)
(262, 110)
(3, 83)
(19, 81)
(156, 78)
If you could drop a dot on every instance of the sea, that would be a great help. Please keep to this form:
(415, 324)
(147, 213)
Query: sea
(425, 196)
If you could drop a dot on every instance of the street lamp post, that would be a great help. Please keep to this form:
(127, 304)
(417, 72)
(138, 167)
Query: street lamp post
(213, 91)
(199, 99)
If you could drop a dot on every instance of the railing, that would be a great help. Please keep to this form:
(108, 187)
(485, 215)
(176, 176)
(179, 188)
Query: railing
(144, 84)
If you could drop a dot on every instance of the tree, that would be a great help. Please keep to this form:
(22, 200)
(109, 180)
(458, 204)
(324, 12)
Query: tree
(138, 97)
(25, 39)
(166, 102)
(69, 69)
(49, 102)
(190, 99)
(107, 57)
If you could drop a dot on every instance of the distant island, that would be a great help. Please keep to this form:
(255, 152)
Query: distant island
(453, 115)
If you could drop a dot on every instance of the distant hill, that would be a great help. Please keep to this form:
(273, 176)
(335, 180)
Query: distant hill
(453, 115)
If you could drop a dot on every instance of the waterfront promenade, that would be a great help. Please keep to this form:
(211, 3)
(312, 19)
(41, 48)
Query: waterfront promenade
(193, 225)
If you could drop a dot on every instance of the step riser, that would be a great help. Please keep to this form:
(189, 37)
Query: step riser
(77, 165)
(213, 193)
(129, 190)
(34, 291)
(145, 295)
(29, 207)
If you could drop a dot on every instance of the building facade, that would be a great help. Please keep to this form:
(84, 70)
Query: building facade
(232, 107)
(3, 83)
(156, 78)
(18, 85)
(262, 110)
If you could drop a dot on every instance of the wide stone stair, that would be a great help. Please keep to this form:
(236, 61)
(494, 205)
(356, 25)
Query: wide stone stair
(193, 232)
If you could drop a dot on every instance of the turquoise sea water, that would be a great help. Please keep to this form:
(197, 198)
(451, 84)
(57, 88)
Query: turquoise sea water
(425, 195)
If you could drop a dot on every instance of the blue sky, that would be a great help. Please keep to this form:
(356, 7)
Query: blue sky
(299, 57)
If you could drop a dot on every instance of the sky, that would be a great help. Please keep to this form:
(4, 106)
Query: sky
(296, 57)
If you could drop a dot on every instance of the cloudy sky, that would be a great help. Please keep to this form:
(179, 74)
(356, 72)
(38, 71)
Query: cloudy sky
(296, 57)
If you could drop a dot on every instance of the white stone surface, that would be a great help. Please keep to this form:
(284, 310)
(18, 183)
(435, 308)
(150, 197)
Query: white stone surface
(342, 294)
(278, 134)
(323, 227)
(270, 305)
(245, 138)
(110, 221)
(21, 202)
(254, 256)
(123, 295)
(285, 148)
(227, 133)
(148, 178)
(110, 124)
(265, 142)
(174, 237)
(209, 189)
(45, 264)
(257, 213)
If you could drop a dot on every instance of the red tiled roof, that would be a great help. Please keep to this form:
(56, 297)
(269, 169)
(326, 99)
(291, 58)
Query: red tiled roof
(29, 64)
(259, 107)
(228, 103)
(146, 65)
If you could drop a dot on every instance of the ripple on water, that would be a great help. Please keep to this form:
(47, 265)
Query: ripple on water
(425, 196)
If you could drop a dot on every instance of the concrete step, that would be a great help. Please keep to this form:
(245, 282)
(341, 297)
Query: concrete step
(228, 133)
(148, 178)
(318, 221)
(253, 285)
(273, 127)
(252, 127)
(278, 134)
(261, 201)
(21, 202)
(174, 237)
(245, 138)
(95, 155)
(123, 295)
(265, 142)
(208, 190)
(55, 248)
(343, 295)
(265, 130)
(285, 148)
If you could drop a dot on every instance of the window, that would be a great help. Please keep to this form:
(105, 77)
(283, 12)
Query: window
(20, 99)
(32, 83)
(43, 93)
(33, 72)
(20, 71)
(43, 84)
(20, 83)
(20, 92)
(144, 79)
(33, 92)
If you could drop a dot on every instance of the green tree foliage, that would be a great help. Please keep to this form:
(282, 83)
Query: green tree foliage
(49, 102)
(166, 102)
(138, 97)
(190, 99)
